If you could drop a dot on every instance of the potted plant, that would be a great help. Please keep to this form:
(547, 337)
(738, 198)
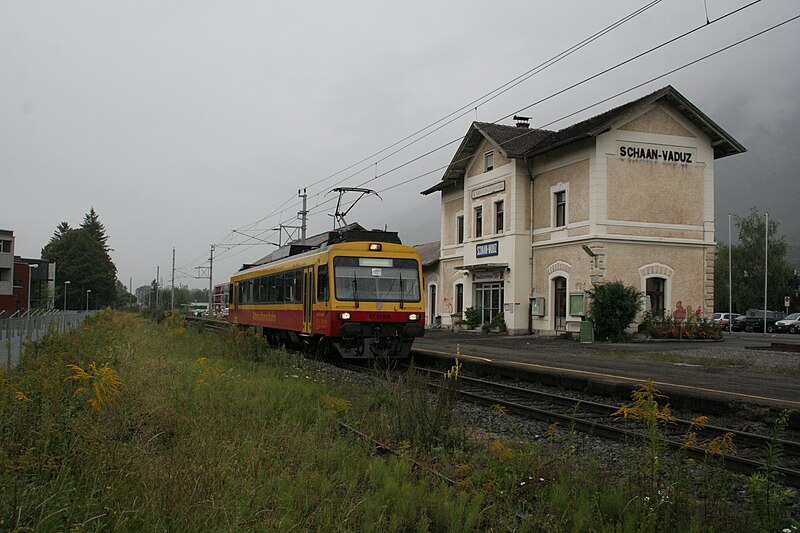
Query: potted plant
(496, 325)
(472, 317)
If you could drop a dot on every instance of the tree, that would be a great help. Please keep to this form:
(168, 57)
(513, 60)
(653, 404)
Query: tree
(747, 259)
(81, 260)
(123, 298)
(61, 229)
(91, 223)
(613, 308)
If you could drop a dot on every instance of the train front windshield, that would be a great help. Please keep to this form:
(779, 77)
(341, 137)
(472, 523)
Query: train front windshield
(376, 279)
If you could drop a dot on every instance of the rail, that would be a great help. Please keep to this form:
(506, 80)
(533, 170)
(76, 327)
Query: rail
(33, 325)
(212, 325)
(594, 418)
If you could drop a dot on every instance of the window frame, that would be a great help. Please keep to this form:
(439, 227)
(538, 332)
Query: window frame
(488, 161)
(478, 214)
(560, 208)
(499, 216)
(460, 229)
(323, 285)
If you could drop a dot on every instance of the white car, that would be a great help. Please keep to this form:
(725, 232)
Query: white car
(724, 319)
(790, 324)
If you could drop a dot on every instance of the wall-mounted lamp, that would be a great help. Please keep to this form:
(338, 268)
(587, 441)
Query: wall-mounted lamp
(591, 253)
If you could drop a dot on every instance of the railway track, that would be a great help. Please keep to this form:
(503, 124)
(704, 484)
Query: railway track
(597, 418)
(212, 325)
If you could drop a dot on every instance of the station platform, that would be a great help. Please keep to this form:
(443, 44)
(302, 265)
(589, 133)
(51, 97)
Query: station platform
(708, 377)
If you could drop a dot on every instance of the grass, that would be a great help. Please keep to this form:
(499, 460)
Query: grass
(158, 428)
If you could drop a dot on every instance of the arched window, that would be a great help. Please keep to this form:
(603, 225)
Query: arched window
(655, 294)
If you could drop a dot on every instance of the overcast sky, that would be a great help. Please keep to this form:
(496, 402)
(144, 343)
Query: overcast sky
(181, 121)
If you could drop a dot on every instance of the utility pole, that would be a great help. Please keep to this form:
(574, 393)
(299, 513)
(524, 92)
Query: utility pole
(766, 264)
(158, 287)
(303, 216)
(211, 283)
(172, 302)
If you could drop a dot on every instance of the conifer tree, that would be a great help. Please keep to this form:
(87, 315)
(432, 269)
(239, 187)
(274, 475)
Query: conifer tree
(95, 228)
(82, 258)
(61, 229)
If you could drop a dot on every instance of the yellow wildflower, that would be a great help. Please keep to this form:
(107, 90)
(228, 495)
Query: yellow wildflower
(500, 451)
(21, 397)
(336, 404)
(500, 410)
(105, 383)
(722, 445)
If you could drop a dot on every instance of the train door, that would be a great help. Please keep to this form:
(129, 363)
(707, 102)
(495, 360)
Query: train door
(308, 298)
(235, 301)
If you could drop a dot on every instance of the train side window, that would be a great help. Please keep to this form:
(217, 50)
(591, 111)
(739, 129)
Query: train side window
(257, 290)
(298, 286)
(289, 291)
(322, 283)
(273, 289)
(279, 288)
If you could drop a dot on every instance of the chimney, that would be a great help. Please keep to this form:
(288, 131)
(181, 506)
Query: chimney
(522, 122)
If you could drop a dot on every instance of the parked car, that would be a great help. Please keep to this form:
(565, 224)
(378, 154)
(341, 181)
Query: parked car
(739, 323)
(724, 319)
(754, 320)
(790, 324)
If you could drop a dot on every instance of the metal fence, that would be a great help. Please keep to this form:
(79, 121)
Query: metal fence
(14, 331)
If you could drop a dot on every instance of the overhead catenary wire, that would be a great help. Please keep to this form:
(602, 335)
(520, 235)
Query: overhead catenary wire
(573, 86)
(637, 56)
(481, 100)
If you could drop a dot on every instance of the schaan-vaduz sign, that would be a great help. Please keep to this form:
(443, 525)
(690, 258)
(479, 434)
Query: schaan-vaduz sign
(658, 153)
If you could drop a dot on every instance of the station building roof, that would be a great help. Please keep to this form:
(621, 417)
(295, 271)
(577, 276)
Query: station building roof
(522, 143)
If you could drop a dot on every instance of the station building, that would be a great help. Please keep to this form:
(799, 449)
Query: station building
(531, 219)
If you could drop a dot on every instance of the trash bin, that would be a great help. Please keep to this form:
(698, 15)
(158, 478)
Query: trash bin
(587, 330)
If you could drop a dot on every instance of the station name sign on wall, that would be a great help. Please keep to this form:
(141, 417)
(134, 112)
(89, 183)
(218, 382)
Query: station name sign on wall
(487, 249)
(657, 153)
(489, 189)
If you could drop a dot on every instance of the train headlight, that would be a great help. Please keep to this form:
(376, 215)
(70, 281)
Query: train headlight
(375, 247)
(344, 316)
(413, 317)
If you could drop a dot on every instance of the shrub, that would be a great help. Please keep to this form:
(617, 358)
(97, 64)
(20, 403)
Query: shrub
(472, 317)
(613, 308)
(665, 327)
(498, 321)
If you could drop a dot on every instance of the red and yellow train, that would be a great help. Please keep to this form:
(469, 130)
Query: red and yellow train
(358, 295)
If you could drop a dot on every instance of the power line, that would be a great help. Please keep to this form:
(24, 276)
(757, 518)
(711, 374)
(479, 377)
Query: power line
(557, 93)
(477, 102)
(686, 65)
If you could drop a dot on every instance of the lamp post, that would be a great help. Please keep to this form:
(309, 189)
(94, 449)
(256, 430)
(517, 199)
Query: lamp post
(65, 294)
(87, 298)
(30, 275)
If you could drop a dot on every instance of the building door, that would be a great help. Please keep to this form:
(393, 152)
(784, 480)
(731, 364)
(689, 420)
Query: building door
(560, 303)
(489, 300)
